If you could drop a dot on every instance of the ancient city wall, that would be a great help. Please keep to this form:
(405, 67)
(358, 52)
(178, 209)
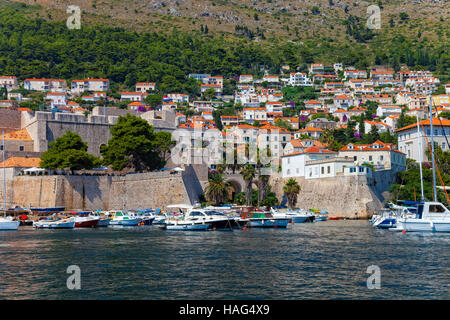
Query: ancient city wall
(135, 191)
(347, 196)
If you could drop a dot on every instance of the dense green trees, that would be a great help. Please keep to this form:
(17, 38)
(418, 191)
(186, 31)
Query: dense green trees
(38, 48)
(68, 152)
(133, 146)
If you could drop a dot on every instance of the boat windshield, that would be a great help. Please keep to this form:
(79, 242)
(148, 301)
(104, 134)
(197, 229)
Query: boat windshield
(215, 213)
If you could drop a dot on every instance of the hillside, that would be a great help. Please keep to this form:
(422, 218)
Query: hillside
(130, 40)
(271, 19)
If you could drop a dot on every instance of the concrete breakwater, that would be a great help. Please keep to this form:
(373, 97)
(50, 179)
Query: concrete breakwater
(353, 197)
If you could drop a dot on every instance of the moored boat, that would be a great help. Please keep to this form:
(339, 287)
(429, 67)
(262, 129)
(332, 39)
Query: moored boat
(263, 219)
(68, 223)
(7, 223)
(121, 218)
(295, 216)
(182, 225)
(430, 217)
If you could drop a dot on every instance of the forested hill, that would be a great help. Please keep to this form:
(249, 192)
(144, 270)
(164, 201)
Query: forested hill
(32, 46)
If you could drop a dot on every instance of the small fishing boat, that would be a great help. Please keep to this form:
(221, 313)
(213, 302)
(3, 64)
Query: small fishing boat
(103, 220)
(263, 219)
(319, 215)
(7, 223)
(121, 218)
(68, 223)
(146, 215)
(85, 222)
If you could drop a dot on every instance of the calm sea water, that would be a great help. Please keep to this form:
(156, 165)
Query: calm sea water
(323, 260)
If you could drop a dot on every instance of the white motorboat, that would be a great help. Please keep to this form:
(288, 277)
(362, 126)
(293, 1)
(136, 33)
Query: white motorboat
(430, 217)
(7, 223)
(193, 218)
(68, 223)
(295, 215)
(387, 217)
(121, 218)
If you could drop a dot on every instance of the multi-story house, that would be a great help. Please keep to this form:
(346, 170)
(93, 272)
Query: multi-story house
(133, 96)
(382, 75)
(299, 79)
(355, 74)
(45, 85)
(178, 98)
(254, 114)
(145, 86)
(245, 78)
(9, 82)
(79, 86)
(409, 139)
(388, 110)
(383, 156)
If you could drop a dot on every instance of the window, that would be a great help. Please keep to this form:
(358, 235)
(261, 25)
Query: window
(361, 169)
(443, 145)
(288, 160)
(21, 148)
(288, 171)
(381, 157)
(355, 158)
(1, 147)
(370, 158)
(328, 169)
(435, 208)
(323, 170)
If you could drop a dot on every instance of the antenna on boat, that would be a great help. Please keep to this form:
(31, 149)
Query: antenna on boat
(432, 148)
(419, 137)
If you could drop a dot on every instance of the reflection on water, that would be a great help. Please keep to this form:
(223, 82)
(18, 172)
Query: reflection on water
(324, 260)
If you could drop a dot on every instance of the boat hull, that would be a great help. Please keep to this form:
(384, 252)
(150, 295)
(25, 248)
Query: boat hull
(385, 223)
(267, 223)
(126, 223)
(87, 224)
(54, 225)
(420, 225)
(103, 223)
(186, 227)
(9, 225)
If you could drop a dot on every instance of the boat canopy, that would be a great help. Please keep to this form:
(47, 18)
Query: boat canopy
(181, 206)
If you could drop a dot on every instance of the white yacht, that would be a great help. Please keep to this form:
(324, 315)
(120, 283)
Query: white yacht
(430, 216)
(199, 219)
(7, 223)
(295, 215)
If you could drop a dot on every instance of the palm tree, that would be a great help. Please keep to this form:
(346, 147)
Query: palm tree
(263, 183)
(218, 189)
(291, 189)
(248, 173)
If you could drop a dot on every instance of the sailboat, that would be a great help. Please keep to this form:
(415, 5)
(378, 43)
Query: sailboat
(431, 216)
(6, 223)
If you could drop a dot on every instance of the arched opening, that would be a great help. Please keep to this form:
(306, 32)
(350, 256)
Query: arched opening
(235, 188)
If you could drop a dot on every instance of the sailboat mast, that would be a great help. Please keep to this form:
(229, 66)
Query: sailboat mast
(4, 176)
(432, 148)
(419, 137)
